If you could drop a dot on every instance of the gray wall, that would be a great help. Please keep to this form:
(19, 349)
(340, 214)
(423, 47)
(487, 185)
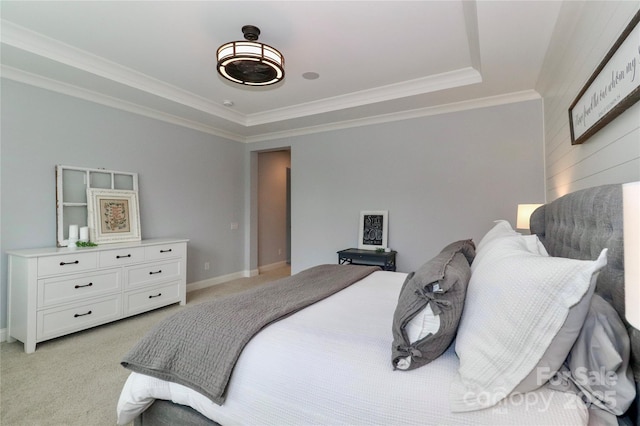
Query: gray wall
(441, 178)
(584, 34)
(191, 183)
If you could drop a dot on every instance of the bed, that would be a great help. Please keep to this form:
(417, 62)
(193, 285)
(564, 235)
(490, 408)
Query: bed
(337, 360)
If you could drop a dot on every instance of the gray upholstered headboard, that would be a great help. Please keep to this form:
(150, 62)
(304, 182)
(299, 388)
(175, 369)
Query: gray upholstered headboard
(579, 225)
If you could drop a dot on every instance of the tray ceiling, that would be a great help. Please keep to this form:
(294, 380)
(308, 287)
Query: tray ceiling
(376, 60)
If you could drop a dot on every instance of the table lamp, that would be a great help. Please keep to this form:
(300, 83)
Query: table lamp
(524, 214)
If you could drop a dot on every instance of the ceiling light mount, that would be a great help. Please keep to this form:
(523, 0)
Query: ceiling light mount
(249, 62)
(250, 32)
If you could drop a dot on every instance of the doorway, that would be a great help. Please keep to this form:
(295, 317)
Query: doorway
(273, 210)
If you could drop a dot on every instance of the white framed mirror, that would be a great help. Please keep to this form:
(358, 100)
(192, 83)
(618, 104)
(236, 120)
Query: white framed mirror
(71, 194)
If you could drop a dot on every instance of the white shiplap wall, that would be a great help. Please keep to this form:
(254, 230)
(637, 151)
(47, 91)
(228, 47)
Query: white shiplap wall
(584, 34)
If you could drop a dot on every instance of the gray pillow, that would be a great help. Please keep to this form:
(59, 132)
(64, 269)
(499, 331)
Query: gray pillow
(430, 306)
(559, 348)
(597, 368)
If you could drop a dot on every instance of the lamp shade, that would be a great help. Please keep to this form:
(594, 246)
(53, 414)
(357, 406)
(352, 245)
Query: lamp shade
(631, 223)
(524, 213)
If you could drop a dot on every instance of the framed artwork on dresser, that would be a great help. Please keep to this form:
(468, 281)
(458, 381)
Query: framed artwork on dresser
(114, 216)
(72, 204)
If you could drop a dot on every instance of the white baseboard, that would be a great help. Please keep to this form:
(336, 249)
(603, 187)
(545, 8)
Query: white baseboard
(221, 279)
(272, 266)
(3, 334)
(215, 281)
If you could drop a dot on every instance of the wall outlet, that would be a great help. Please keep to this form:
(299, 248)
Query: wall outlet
(207, 265)
(279, 251)
(234, 226)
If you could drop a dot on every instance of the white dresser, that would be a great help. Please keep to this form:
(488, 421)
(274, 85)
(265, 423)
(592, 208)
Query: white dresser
(57, 291)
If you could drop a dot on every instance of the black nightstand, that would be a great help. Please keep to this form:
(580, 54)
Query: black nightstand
(386, 260)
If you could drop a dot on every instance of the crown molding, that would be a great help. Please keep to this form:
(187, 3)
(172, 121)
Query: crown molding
(490, 101)
(35, 43)
(21, 76)
(40, 45)
(433, 83)
(30, 41)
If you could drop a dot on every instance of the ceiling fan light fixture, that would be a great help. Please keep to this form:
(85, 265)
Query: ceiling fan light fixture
(249, 62)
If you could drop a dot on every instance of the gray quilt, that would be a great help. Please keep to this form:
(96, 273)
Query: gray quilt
(198, 347)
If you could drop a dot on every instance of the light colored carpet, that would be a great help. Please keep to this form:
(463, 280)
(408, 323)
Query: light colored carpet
(76, 379)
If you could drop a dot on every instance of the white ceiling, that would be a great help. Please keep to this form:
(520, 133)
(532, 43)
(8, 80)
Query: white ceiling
(377, 60)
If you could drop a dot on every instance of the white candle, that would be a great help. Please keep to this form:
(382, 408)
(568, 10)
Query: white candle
(73, 232)
(84, 233)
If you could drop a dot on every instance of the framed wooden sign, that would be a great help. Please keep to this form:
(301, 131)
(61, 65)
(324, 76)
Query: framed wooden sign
(612, 89)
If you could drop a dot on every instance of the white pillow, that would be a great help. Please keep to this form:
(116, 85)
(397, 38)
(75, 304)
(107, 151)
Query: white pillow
(516, 303)
(422, 324)
(560, 346)
(419, 327)
(534, 245)
(502, 228)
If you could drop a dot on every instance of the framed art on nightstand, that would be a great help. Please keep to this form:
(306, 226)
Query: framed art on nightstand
(114, 216)
(374, 229)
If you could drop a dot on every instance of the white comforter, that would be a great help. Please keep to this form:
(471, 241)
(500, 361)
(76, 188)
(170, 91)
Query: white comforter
(331, 364)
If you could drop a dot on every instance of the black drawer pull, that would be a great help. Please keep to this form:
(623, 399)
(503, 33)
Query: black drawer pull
(84, 285)
(157, 272)
(121, 257)
(81, 315)
(69, 263)
(157, 295)
(165, 251)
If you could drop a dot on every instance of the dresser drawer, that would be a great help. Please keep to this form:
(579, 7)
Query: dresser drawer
(69, 288)
(120, 257)
(56, 322)
(66, 263)
(164, 251)
(56, 291)
(150, 298)
(153, 273)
